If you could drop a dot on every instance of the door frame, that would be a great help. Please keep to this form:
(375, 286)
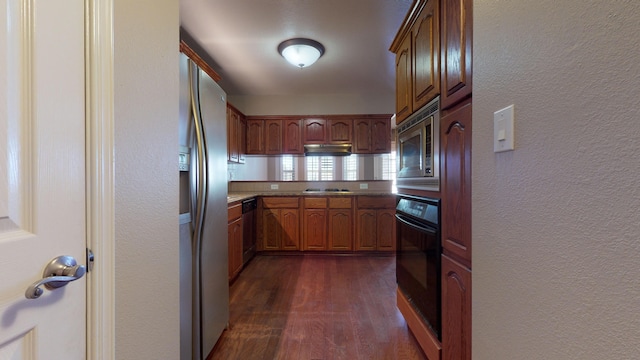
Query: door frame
(100, 182)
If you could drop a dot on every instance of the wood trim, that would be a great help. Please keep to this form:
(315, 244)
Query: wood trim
(427, 340)
(185, 49)
(100, 180)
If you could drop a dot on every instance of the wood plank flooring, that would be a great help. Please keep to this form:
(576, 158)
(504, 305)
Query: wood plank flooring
(316, 307)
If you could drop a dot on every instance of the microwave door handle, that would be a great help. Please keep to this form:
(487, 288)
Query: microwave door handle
(423, 228)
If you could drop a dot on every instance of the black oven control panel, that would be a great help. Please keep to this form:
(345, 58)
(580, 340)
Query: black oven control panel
(423, 209)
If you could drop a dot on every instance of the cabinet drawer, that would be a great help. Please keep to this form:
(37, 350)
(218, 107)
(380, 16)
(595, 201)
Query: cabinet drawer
(234, 212)
(340, 203)
(280, 202)
(376, 202)
(315, 203)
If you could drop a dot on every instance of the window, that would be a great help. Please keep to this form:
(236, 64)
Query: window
(319, 168)
(288, 168)
(350, 167)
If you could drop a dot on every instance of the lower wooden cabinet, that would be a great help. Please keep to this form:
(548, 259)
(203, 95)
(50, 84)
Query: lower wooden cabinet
(456, 310)
(234, 239)
(376, 224)
(315, 229)
(340, 229)
(279, 224)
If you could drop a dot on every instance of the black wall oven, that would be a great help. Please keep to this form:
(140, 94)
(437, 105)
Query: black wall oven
(418, 256)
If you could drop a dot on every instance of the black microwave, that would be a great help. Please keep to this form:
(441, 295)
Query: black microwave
(418, 143)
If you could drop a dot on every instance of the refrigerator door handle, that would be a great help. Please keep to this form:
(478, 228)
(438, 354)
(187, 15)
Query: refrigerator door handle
(200, 195)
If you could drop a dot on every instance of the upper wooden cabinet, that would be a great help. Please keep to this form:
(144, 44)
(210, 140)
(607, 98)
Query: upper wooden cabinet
(236, 135)
(372, 135)
(315, 131)
(255, 136)
(292, 137)
(340, 131)
(273, 137)
(404, 82)
(425, 43)
(455, 57)
(417, 59)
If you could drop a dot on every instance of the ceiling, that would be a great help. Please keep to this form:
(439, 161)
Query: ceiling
(241, 38)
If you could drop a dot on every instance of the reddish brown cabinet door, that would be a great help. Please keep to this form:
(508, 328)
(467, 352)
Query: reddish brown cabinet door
(426, 54)
(404, 76)
(456, 182)
(362, 136)
(340, 131)
(243, 140)
(340, 229)
(271, 229)
(456, 54)
(315, 229)
(255, 136)
(233, 135)
(292, 137)
(386, 230)
(366, 231)
(235, 247)
(291, 229)
(381, 135)
(456, 310)
(315, 131)
(273, 137)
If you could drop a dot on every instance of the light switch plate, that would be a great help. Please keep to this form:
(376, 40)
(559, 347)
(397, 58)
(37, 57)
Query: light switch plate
(364, 186)
(503, 133)
(274, 186)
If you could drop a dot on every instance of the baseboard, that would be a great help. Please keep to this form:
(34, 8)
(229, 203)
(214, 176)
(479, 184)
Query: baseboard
(426, 339)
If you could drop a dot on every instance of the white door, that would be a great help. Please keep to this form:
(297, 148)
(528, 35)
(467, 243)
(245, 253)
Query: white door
(42, 175)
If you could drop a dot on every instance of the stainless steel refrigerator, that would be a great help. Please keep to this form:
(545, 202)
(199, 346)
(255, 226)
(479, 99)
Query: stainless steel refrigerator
(204, 286)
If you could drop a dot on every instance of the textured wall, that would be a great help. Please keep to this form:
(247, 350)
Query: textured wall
(556, 223)
(146, 140)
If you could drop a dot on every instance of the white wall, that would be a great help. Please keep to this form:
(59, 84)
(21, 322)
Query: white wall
(556, 223)
(146, 179)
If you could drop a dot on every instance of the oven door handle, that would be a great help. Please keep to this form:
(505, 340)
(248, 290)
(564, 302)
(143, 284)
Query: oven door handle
(425, 228)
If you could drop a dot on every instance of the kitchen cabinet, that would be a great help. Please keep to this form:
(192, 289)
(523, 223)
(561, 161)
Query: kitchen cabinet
(340, 131)
(273, 137)
(315, 223)
(236, 135)
(417, 47)
(404, 82)
(279, 225)
(372, 135)
(255, 136)
(455, 181)
(375, 223)
(340, 227)
(425, 44)
(456, 55)
(292, 137)
(456, 310)
(243, 140)
(234, 238)
(314, 131)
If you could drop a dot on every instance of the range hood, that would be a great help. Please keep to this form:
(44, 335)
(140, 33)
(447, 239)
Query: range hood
(327, 149)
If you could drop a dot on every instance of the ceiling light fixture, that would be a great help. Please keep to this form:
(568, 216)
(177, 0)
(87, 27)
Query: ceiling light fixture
(301, 52)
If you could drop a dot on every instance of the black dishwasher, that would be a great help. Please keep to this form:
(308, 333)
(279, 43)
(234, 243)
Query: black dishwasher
(248, 229)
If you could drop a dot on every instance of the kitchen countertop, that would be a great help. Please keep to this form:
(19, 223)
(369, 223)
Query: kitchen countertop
(239, 196)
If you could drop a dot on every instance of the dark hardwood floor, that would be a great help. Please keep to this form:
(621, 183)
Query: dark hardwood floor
(316, 307)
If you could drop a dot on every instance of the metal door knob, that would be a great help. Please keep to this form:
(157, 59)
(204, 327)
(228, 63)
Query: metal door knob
(57, 273)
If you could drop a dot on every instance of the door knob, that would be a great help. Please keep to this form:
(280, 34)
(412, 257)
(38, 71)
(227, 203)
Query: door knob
(57, 273)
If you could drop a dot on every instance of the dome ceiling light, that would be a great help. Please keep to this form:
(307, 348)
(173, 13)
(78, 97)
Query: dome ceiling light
(301, 52)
